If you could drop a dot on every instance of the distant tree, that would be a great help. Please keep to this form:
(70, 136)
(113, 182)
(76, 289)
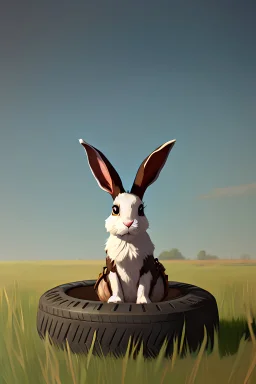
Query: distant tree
(245, 256)
(173, 254)
(202, 255)
(165, 255)
(211, 257)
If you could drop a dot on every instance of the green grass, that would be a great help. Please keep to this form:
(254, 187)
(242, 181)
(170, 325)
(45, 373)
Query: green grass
(25, 358)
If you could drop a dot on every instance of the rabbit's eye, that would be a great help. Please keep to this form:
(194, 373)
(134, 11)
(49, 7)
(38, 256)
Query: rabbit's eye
(141, 210)
(115, 210)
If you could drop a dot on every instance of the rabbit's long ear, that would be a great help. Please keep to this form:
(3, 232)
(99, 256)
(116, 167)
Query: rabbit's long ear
(150, 168)
(104, 173)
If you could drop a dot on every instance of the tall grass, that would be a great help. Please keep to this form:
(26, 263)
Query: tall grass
(25, 358)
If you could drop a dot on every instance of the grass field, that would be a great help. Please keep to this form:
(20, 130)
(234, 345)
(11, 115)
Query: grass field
(24, 358)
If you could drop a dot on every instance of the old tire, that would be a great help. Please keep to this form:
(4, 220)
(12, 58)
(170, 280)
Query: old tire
(73, 312)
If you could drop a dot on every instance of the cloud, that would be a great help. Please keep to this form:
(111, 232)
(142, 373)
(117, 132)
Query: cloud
(239, 190)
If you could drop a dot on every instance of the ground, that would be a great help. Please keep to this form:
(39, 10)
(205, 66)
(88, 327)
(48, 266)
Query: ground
(26, 359)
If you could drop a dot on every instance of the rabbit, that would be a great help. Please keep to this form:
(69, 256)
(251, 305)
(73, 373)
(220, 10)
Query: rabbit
(129, 248)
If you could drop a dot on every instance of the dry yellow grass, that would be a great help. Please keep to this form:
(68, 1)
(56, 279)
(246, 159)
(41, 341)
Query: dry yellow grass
(211, 262)
(24, 358)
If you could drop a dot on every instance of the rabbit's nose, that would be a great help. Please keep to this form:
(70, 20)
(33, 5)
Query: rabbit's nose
(128, 223)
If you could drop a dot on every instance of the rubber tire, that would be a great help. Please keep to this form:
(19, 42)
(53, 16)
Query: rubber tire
(76, 320)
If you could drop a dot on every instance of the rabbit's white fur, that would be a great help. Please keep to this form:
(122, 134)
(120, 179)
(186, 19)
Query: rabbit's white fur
(129, 247)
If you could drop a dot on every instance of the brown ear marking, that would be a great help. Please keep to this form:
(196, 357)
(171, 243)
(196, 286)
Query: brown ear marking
(150, 168)
(103, 171)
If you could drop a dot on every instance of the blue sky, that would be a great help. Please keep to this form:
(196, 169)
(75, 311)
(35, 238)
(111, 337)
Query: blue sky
(126, 77)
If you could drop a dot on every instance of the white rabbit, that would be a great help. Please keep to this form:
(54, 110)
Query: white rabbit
(133, 275)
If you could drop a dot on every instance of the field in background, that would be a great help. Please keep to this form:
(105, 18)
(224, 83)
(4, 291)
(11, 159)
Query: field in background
(218, 261)
(24, 358)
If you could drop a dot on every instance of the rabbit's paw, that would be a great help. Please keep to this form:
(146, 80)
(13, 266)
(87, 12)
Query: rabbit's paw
(114, 299)
(143, 300)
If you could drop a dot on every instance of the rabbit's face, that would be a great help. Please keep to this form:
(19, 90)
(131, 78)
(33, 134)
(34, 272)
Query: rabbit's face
(127, 216)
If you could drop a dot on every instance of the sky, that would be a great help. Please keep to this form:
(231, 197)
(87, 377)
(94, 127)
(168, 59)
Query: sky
(127, 76)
